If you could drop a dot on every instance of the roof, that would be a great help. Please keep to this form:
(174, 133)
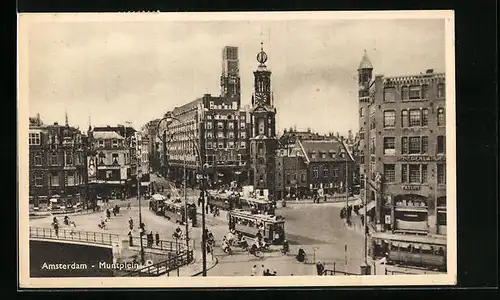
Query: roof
(107, 135)
(365, 62)
(322, 146)
(120, 129)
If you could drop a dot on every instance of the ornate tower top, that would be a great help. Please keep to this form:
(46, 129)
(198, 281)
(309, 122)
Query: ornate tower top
(262, 56)
(365, 62)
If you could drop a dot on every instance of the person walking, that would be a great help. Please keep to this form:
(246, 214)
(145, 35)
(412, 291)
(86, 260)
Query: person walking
(253, 272)
(73, 227)
(157, 236)
(130, 239)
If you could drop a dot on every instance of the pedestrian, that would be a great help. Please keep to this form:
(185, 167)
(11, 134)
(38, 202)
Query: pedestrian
(130, 239)
(211, 208)
(263, 270)
(128, 205)
(56, 229)
(131, 223)
(325, 198)
(274, 273)
(320, 268)
(157, 236)
(253, 272)
(73, 227)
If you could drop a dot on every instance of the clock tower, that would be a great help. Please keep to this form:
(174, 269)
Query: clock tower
(263, 142)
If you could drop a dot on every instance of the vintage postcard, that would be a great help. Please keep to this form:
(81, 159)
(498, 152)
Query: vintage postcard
(212, 149)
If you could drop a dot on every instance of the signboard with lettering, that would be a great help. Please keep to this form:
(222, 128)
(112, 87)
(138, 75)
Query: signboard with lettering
(411, 187)
(421, 158)
(92, 173)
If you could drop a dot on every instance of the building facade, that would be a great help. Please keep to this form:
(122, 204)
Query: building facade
(56, 163)
(263, 141)
(403, 149)
(216, 127)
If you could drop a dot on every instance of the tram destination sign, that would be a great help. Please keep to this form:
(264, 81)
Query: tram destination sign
(421, 158)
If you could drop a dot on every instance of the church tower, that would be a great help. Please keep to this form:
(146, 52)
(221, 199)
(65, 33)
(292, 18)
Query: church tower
(230, 77)
(365, 70)
(263, 142)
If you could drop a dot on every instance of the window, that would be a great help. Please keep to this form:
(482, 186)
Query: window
(242, 125)
(100, 144)
(242, 145)
(441, 144)
(389, 118)
(323, 155)
(361, 112)
(333, 155)
(425, 145)
(441, 121)
(414, 145)
(231, 145)
(313, 155)
(220, 125)
(303, 177)
(69, 158)
(209, 125)
(209, 145)
(71, 178)
(441, 90)
(209, 117)
(315, 173)
(230, 134)
(404, 118)
(425, 91)
(54, 159)
(288, 178)
(425, 117)
(424, 173)
(372, 145)
(261, 126)
(405, 92)
(441, 173)
(414, 173)
(243, 134)
(389, 173)
(34, 138)
(209, 135)
(220, 145)
(389, 94)
(230, 125)
(115, 158)
(37, 159)
(38, 179)
(404, 145)
(115, 144)
(54, 179)
(404, 173)
(389, 146)
(220, 134)
(415, 117)
(325, 172)
(414, 92)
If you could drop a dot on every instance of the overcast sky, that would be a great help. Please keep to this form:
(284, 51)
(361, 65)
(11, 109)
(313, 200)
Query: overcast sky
(118, 72)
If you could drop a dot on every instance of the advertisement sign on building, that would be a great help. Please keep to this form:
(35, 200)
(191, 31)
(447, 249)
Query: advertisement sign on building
(92, 173)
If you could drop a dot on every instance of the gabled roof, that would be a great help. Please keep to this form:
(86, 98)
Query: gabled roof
(323, 146)
(107, 135)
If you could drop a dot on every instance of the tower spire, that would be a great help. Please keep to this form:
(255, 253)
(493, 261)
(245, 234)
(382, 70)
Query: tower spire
(66, 118)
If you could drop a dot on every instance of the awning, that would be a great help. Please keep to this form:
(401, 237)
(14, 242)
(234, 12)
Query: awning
(369, 207)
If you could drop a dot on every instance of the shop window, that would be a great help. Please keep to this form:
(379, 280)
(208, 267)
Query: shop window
(389, 118)
(389, 173)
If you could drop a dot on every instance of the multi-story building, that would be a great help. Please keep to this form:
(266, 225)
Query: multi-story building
(313, 165)
(402, 149)
(115, 155)
(263, 140)
(154, 145)
(56, 163)
(289, 137)
(216, 126)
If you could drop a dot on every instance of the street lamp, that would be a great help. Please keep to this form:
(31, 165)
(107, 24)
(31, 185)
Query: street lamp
(169, 118)
(139, 175)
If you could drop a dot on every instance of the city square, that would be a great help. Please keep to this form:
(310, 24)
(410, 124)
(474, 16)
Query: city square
(289, 164)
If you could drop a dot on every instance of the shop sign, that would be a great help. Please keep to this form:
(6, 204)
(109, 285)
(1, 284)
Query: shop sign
(421, 158)
(411, 187)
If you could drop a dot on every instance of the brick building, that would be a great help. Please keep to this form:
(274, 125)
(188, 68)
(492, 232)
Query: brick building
(403, 149)
(219, 127)
(312, 166)
(56, 163)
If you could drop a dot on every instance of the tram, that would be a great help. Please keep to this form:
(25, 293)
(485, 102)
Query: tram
(224, 200)
(255, 205)
(410, 250)
(272, 228)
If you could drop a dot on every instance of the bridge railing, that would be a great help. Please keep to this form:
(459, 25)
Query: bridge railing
(163, 245)
(100, 238)
(173, 262)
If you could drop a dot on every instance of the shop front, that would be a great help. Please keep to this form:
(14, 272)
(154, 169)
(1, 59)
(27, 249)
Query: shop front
(441, 215)
(410, 214)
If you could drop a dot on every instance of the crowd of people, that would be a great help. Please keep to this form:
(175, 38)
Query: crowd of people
(263, 271)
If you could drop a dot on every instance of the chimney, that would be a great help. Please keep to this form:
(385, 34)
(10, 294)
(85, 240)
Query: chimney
(55, 123)
(429, 71)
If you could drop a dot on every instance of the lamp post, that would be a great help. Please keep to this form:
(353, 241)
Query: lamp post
(169, 118)
(139, 175)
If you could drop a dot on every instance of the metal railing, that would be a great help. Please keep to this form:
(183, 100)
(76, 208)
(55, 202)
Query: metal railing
(99, 238)
(334, 272)
(174, 262)
(163, 245)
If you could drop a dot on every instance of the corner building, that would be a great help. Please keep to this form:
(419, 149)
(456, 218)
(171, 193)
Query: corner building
(403, 150)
